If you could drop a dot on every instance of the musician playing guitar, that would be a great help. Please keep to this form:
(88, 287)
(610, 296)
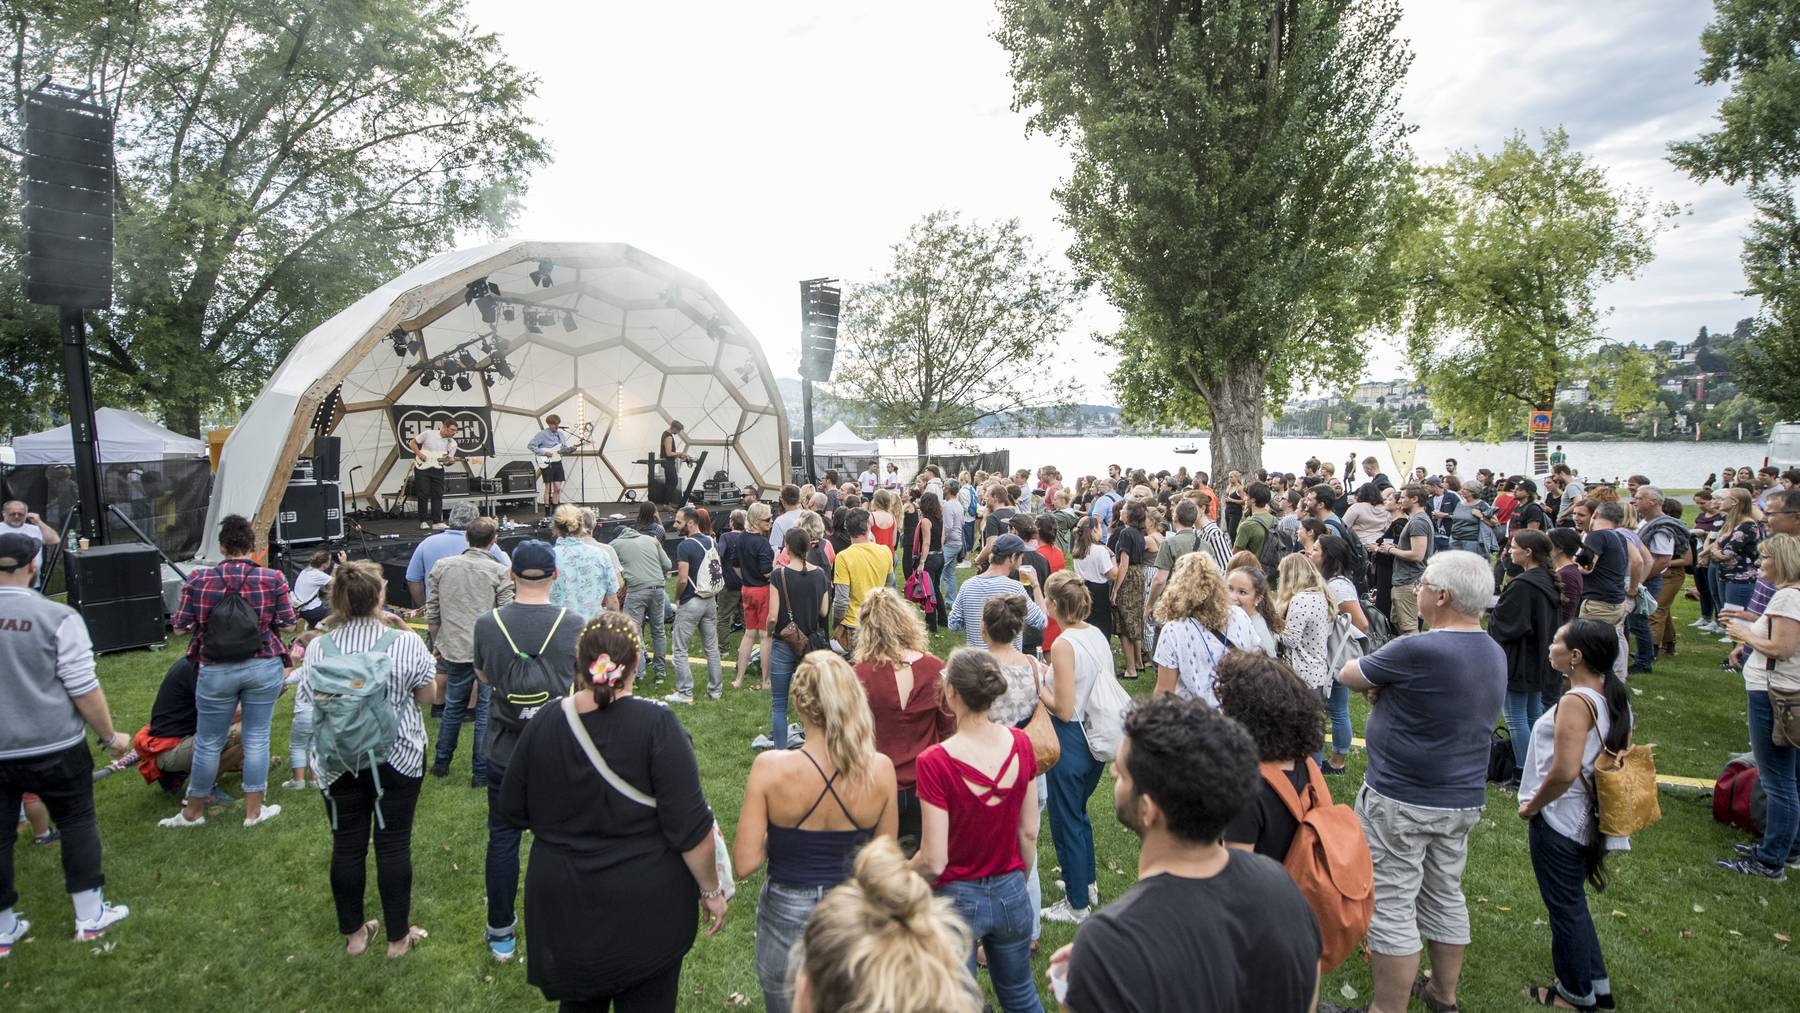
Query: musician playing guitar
(670, 456)
(432, 450)
(548, 447)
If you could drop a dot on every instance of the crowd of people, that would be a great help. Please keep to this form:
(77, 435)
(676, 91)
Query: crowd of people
(897, 799)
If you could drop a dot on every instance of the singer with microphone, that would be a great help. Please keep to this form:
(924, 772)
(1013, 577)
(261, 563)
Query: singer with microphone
(547, 447)
(670, 463)
(432, 450)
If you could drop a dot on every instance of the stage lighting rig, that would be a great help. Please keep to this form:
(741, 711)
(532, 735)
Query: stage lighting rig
(541, 277)
(487, 376)
(446, 384)
(398, 337)
(568, 321)
(486, 297)
(462, 382)
(503, 367)
(428, 378)
(465, 360)
(531, 322)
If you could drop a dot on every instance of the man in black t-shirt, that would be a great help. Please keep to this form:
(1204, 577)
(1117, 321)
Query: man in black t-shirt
(999, 510)
(1207, 929)
(168, 740)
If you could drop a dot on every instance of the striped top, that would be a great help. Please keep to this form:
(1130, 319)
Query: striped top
(973, 594)
(412, 667)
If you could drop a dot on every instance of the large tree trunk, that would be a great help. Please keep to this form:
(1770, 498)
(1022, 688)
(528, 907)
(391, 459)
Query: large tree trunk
(1235, 402)
(922, 440)
(184, 420)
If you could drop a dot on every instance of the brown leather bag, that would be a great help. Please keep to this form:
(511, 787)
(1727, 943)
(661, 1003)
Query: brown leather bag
(791, 634)
(1046, 748)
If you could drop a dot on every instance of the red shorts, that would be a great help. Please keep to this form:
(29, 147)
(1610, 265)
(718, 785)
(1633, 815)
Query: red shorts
(755, 601)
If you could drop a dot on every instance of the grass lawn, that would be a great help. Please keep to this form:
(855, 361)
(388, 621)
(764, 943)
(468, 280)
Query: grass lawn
(223, 918)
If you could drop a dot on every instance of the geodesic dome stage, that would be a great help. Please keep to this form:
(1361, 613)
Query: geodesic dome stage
(602, 334)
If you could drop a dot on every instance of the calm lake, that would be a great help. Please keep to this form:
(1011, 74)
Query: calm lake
(1675, 465)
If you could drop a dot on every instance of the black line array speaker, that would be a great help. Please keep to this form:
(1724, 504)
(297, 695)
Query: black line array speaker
(118, 591)
(68, 190)
(327, 452)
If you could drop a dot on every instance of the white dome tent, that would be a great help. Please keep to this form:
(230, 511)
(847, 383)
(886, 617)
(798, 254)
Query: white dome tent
(599, 333)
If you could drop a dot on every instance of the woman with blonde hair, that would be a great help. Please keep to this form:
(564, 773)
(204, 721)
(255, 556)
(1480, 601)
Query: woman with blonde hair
(881, 941)
(1736, 549)
(1200, 625)
(808, 810)
(587, 582)
(1306, 608)
(902, 682)
(1772, 677)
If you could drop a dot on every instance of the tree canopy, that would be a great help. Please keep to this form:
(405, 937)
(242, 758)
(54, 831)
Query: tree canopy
(963, 325)
(277, 159)
(1509, 252)
(1240, 170)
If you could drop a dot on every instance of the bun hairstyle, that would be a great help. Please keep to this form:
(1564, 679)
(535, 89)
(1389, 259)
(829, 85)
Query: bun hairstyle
(976, 678)
(828, 694)
(236, 536)
(567, 521)
(1068, 596)
(882, 942)
(606, 656)
(356, 591)
(1002, 617)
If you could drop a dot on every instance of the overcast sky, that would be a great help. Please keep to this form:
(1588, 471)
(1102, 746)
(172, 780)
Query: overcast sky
(758, 144)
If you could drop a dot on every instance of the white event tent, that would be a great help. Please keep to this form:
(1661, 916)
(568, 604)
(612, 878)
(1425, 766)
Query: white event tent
(841, 441)
(602, 334)
(121, 437)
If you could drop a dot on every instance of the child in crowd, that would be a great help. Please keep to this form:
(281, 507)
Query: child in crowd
(300, 733)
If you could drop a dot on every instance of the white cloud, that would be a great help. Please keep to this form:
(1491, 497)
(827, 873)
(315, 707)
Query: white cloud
(757, 144)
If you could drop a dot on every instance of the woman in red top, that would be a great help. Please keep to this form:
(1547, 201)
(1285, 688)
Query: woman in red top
(981, 823)
(901, 681)
(884, 527)
(1046, 547)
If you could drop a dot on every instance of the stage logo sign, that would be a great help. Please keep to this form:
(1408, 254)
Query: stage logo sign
(474, 425)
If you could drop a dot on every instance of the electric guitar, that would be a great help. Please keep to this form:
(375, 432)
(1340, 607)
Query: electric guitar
(432, 461)
(546, 458)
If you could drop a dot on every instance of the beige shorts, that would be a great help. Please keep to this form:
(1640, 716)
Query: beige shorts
(1614, 616)
(1419, 857)
(1406, 608)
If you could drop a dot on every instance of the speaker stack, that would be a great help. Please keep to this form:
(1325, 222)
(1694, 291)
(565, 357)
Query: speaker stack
(312, 508)
(118, 591)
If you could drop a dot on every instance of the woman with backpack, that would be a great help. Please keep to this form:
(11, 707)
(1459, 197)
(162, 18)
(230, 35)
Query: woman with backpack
(236, 612)
(1078, 661)
(1337, 562)
(1523, 622)
(363, 800)
(608, 786)
(799, 596)
(1556, 798)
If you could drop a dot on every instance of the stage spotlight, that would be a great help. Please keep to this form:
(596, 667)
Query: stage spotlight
(488, 377)
(503, 367)
(568, 321)
(446, 384)
(465, 360)
(508, 314)
(398, 337)
(487, 343)
(462, 381)
(541, 276)
(531, 322)
(428, 378)
(416, 344)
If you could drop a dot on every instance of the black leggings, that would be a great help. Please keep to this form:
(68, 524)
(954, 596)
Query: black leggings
(652, 995)
(354, 798)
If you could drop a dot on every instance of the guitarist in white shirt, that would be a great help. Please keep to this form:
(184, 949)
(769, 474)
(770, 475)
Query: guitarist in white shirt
(432, 451)
(548, 447)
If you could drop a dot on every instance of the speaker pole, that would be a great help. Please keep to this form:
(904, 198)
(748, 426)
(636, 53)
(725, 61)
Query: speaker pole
(81, 424)
(806, 399)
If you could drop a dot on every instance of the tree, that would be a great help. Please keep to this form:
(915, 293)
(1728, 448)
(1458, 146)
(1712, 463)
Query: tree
(1625, 374)
(277, 159)
(1768, 363)
(962, 326)
(1238, 190)
(1504, 266)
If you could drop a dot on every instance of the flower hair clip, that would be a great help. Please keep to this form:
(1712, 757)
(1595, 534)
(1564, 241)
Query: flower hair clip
(605, 670)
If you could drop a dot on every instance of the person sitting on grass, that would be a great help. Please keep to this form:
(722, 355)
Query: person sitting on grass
(165, 746)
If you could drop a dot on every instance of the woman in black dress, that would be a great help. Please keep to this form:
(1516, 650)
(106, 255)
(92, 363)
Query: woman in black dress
(615, 871)
(925, 548)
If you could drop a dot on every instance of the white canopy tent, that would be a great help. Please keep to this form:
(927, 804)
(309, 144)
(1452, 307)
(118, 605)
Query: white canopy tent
(601, 334)
(841, 441)
(121, 437)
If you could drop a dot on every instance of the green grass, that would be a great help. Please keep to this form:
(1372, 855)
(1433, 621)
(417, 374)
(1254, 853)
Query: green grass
(228, 919)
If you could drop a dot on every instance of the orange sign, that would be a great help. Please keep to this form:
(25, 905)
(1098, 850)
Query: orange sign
(1540, 423)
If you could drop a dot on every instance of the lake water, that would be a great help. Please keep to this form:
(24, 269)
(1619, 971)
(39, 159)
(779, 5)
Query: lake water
(1675, 465)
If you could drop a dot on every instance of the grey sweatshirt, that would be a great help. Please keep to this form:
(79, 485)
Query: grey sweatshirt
(46, 660)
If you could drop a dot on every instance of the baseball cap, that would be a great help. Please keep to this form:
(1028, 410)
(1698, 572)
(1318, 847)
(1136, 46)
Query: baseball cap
(533, 559)
(16, 551)
(1008, 545)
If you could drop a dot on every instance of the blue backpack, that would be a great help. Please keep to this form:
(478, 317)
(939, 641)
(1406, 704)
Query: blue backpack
(354, 725)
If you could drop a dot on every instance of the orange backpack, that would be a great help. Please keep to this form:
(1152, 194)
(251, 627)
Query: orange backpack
(1330, 862)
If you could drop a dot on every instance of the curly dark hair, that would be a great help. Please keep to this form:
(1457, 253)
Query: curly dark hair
(1197, 764)
(1278, 710)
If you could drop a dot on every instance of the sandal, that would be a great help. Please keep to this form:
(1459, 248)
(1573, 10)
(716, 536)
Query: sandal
(413, 937)
(1419, 987)
(367, 932)
(1547, 995)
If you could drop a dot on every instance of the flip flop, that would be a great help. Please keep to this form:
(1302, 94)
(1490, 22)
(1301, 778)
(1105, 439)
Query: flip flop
(414, 936)
(1547, 995)
(367, 931)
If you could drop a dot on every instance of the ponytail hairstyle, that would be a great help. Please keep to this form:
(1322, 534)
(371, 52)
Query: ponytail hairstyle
(976, 678)
(881, 941)
(357, 589)
(606, 656)
(1002, 617)
(1599, 647)
(1087, 535)
(828, 694)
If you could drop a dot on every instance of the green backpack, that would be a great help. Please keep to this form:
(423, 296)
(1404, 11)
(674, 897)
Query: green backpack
(354, 724)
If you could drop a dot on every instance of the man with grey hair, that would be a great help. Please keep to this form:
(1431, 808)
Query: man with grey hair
(1665, 539)
(443, 545)
(17, 519)
(1435, 697)
(460, 589)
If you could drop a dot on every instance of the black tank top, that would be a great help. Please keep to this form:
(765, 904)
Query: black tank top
(815, 857)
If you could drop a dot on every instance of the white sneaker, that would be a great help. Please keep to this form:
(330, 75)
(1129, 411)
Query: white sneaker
(762, 742)
(291, 785)
(424, 525)
(110, 915)
(1093, 892)
(269, 812)
(7, 939)
(181, 820)
(678, 697)
(1062, 912)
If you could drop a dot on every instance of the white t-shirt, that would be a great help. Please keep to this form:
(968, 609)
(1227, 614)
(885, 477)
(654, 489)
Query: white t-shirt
(311, 588)
(1096, 566)
(1188, 648)
(29, 530)
(1786, 674)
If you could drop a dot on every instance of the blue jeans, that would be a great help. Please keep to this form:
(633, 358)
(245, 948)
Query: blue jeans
(1736, 593)
(947, 582)
(1775, 765)
(1522, 712)
(781, 672)
(223, 687)
(996, 910)
(300, 736)
(1337, 710)
(781, 915)
(502, 870)
(1072, 782)
(701, 614)
(456, 708)
(1472, 545)
(1643, 653)
(1561, 868)
(1708, 588)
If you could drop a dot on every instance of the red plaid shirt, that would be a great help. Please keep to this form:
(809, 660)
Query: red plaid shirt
(264, 589)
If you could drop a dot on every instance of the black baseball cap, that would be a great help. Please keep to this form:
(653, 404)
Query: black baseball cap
(16, 550)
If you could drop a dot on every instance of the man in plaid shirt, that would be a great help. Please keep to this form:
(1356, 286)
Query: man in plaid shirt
(225, 686)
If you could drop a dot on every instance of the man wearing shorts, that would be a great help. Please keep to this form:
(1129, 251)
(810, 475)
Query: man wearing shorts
(1435, 698)
(550, 441)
